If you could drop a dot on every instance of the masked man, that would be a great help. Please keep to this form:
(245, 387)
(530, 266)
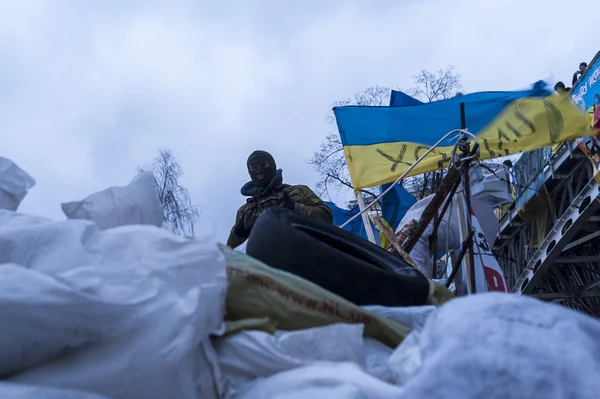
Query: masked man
(266, 189)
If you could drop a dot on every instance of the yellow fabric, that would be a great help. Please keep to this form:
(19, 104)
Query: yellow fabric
(276, 298)
(527, 124)
(439, 294)
(537, 214)
(382, 238)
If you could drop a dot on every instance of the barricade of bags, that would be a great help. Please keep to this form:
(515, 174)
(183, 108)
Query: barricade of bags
(108, 304)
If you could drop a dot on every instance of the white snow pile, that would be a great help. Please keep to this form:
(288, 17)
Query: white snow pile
(106, 304)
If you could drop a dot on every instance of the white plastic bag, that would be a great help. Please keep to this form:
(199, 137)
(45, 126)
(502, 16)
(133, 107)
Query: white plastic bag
(413, 317)
(377, 357)
(448, 231)
(505, 346)
(136, 203)
(14, 184)
(248, 355)
(18, 391)
(322, 380)
(406, 359)
(48, 318)
(153, 299)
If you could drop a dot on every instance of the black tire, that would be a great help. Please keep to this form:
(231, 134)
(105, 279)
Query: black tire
(335, 259)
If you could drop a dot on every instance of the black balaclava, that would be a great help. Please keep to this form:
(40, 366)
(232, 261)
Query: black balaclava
(262, 168)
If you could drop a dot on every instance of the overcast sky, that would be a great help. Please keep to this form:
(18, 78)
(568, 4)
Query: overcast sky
(89, 90)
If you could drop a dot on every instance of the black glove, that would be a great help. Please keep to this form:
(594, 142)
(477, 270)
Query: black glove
(240, 228)
(288, 202)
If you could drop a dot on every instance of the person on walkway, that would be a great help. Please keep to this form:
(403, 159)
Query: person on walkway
(266, 189)
(561, 89)
(579, 72)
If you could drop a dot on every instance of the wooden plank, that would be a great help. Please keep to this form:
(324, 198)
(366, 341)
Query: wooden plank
(389, 234)
(451, 179)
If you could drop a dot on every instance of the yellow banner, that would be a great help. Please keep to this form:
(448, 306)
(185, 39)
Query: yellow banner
(527, 124)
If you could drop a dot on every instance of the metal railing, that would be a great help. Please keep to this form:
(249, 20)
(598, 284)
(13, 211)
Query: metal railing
(528, 172)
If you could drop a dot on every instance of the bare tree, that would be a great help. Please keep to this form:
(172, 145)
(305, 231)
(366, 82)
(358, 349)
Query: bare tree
(175, 199)
(329, 160)
(429, 87)
(435, 86)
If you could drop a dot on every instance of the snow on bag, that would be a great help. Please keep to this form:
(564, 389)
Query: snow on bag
(123, 312)
(14, 184)
(18, 391)
(136, 203)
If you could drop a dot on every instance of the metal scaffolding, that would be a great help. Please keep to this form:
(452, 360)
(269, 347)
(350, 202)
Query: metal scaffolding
(549, 242)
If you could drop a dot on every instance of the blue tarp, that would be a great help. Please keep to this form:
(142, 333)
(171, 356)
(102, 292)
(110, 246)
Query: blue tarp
(395, 204)
(401, 99)
(340, 216)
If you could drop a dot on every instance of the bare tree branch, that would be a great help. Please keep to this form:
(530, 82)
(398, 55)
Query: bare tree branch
(441, 85)
(174, 198)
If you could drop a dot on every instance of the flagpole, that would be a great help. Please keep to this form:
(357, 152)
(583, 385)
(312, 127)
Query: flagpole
(467, 222)
(365, 218)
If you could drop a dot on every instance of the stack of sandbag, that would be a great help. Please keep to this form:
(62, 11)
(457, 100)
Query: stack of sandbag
(263, 297)
(109, 305)
(484, 346)
(491, 345)
(125, 312)
(114, 309)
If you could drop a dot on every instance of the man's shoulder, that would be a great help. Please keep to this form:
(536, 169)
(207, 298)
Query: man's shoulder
(301, 190)
(243, 208)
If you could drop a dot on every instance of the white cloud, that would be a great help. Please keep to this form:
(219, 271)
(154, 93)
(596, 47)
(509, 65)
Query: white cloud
(89, 92)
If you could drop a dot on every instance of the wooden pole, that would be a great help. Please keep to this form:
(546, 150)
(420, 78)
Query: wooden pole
(365, 218)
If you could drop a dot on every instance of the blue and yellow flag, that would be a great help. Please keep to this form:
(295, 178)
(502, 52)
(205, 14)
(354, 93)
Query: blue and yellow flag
(380, 143)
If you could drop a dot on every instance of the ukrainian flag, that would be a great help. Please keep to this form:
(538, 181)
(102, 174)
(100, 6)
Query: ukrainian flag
(380, 143)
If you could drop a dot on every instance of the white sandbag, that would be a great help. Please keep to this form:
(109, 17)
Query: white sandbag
(136, 203)
(398, 365)
(46, 245)
(14, 184)
(322, 380)
(406, 359)
(413, 317)
(167, 294)
(18, 391)
(448, 234)
(500, 346)
(35, 336)
(248, 355)
(377, 356)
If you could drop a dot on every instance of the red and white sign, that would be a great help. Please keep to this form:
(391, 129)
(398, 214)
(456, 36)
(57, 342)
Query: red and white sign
(488, 274)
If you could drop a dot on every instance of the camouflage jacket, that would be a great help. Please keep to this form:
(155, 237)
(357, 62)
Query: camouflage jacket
(307, 202)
